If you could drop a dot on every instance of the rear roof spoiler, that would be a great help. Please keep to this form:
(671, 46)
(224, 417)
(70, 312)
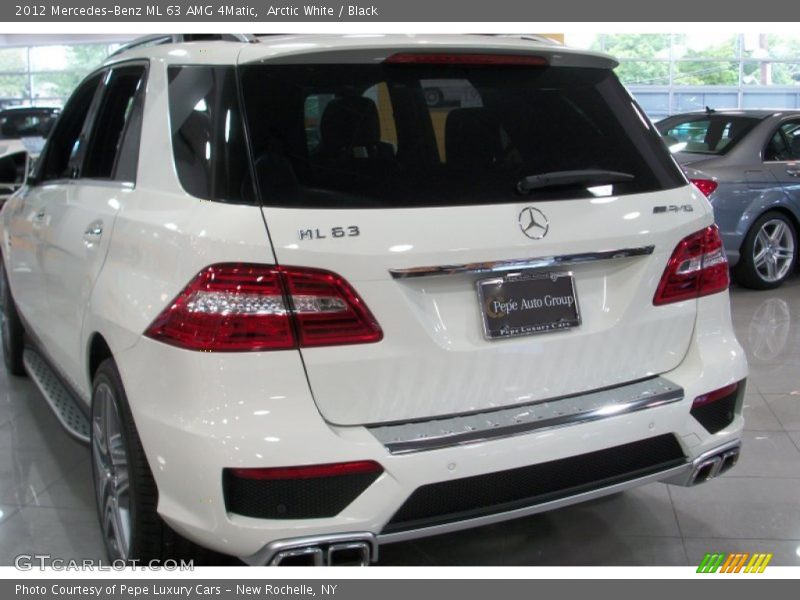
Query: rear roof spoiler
(556, 56)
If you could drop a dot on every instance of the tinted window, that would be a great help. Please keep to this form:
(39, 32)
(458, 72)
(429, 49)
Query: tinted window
(122, 87)
(417, 135)
(207, 137)
(785, 143)
(713, 134)
(65, 144)
(19, 123)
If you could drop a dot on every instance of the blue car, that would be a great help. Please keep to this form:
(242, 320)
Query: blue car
(747, 162)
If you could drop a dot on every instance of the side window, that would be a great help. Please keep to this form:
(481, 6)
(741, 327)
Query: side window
(65, 142)
(115, 131)
(777, 148)
(785, 143)
(208, 142)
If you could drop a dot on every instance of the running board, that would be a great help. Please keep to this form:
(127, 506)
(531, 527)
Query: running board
(64, 404)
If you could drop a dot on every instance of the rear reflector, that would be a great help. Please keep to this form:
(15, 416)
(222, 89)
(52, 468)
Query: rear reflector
(697, 267)
(707, 186)
(715, 395)
(235, 307)
(309, 472)
(521, 60)
(717, 409)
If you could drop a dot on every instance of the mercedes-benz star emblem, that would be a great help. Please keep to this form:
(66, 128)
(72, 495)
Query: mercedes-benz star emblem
(533, 223)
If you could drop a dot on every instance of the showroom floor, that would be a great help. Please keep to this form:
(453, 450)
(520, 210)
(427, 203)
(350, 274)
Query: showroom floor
(46, 503)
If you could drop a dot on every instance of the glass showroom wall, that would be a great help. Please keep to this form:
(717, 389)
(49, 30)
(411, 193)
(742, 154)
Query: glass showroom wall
(46, 75)
(667, 73)
(671, 73)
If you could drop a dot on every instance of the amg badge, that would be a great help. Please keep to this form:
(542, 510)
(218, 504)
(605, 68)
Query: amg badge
(673, 208)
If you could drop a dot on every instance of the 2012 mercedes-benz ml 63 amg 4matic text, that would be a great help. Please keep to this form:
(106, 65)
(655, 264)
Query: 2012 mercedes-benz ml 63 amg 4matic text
(299, 311)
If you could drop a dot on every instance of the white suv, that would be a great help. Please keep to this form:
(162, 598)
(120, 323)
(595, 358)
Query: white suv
(299, 312)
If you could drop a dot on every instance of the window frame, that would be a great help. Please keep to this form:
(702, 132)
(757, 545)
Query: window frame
(136, 110)
(74, 162)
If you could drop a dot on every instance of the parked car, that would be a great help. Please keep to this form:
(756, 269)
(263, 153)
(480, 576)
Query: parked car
(23, 130)
(292, 348)
(19, 122)
(748, 164)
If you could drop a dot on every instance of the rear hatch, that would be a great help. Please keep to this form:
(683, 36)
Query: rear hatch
(416, 198)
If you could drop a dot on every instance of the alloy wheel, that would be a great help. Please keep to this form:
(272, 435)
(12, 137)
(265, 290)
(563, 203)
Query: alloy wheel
(111, 475)
(773, 250)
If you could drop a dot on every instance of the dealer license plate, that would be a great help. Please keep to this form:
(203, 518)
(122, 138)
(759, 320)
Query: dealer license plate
(528, 303)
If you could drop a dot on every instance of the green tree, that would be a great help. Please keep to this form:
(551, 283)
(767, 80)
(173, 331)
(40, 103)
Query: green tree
(645, 46)
(79, 61)
(714, 65)
(14, 59)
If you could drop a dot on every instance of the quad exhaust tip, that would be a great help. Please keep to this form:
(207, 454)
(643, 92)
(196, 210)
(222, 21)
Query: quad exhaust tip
(332, 551)
(712, 465)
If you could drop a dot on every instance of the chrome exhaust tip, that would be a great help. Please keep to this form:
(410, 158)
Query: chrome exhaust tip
(706, 470)
(714, 463)
(729, 460)
(310, 556)
(336, 549)
(351, 554)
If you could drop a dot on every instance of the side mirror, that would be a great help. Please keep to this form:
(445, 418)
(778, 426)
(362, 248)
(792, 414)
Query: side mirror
(14, 169)
(13, 173)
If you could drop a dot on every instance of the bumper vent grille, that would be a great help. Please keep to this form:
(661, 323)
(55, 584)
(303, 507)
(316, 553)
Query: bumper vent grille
(716, 416)
(472, 497)
(312, 498)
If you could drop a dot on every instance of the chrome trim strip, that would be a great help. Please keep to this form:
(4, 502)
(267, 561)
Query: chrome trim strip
(402, 536)
(418, 436)
(501, 266)
(268, 552)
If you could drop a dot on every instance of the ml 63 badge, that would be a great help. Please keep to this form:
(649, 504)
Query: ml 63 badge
(527, 303)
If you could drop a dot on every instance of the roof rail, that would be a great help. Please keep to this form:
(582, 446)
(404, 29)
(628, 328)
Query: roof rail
(178, 38)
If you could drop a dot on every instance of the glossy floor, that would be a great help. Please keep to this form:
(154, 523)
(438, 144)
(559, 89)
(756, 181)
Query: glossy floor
(46, 503)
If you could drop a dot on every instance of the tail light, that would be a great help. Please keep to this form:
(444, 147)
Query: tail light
(697, 267)
(413, 58)
(236, 307)
(707, 186)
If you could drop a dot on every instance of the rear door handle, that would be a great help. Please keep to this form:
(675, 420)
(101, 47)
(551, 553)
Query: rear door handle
(93, 233)
(794, 171)
(40, 215)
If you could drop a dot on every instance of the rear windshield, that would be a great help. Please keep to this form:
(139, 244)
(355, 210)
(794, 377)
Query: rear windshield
(28, 123)
(350, 136)
(710, 134)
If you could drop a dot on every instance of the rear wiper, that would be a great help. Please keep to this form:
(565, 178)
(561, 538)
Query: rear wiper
(588, 177)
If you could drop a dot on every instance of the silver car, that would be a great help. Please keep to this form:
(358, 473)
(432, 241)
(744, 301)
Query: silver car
(748, 164)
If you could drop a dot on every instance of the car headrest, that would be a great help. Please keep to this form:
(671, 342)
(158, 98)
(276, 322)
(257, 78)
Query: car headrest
(349, 123)
(472, 137)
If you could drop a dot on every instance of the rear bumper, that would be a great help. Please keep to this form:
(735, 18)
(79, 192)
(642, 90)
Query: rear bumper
(732, 241)
(255, 410)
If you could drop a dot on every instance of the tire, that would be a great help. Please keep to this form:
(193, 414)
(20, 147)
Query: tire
(13, 333)
(768, 254)
(136, 532)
